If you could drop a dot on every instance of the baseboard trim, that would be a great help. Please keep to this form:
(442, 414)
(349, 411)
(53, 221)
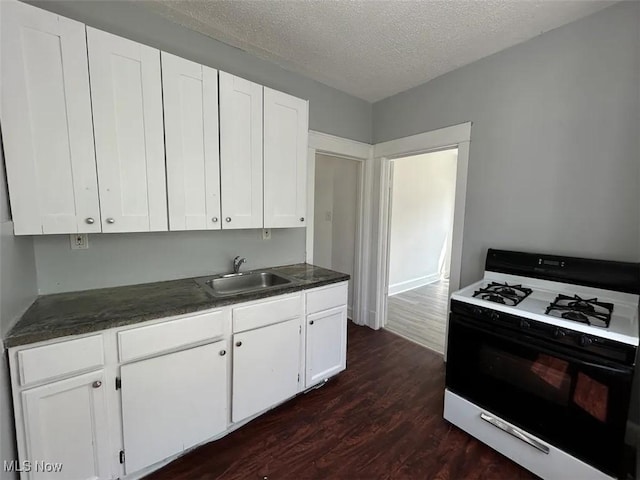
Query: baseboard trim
(411, 284)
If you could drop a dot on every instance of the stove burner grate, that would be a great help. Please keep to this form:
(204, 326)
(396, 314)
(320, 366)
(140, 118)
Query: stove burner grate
(503, 293)
(589, 311)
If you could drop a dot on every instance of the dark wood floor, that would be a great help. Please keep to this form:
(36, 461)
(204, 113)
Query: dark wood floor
(380, 419)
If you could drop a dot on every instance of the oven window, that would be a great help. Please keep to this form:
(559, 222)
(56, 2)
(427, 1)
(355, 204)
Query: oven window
(569, 403)
(547, 377)
(542, 376)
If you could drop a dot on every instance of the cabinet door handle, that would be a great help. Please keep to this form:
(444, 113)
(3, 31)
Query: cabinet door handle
(111, 220)
(311, 322)
(238, 344)
(90, 221)
(228, 219)
(223, 353)
(214, 219)
(97, 384)
(302, 219)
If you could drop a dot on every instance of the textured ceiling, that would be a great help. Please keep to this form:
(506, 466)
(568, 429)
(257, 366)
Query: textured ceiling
(373, 49)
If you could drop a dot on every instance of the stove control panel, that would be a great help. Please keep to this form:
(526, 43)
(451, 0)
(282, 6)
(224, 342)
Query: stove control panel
(585, 340)
(489, 318)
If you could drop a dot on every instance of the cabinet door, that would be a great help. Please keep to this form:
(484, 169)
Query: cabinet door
(173, 402)
(326, 344)
(66, 422)
(266, 365)
(240, 152)
(126, 96)
(46, 122)
(190, 97)
(286, 131)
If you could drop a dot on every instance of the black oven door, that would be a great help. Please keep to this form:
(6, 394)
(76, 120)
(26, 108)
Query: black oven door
(574, 401)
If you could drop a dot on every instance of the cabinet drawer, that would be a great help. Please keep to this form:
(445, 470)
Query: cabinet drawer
(162, 337)
(266, 313)
(325, 298)
(62, 358)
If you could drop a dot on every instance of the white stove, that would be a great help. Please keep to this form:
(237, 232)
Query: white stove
(540, 360)
(623, 326)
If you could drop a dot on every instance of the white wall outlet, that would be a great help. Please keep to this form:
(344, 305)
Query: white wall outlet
(79, 241)
(266, 234)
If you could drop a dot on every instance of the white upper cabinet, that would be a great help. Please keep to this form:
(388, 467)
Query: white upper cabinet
(190, 96)
(87, 116)
(240, 152)
(286, 126)
(46, 122)
(126, 94)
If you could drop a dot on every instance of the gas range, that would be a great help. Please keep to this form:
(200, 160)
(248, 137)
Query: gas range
(540, 359)
(541, 294)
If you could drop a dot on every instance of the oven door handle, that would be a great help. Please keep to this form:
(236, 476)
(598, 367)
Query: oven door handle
(515, 432)
(613, 370)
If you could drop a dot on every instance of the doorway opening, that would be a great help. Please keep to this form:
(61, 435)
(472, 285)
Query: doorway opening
(420, 236)
(336, 213)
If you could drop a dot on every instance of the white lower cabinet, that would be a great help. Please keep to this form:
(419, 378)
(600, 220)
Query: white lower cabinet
(266, 367)
(179, 382)
(66, 424)
(326, 333)
(326, 345)
(173, 402)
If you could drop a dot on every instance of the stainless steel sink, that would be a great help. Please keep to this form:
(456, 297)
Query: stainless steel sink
(236, 283)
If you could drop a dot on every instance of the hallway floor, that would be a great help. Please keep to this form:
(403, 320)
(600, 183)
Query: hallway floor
(420, 315)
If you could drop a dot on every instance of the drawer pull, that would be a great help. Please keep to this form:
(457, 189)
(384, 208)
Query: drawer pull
(238, 344)
(97, 384)
(520, 435)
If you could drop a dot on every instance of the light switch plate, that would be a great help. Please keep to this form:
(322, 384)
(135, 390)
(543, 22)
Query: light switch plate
(79, 241)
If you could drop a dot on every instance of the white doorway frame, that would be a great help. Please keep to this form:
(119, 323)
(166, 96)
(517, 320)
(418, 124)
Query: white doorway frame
(449, 137)
(349, 150)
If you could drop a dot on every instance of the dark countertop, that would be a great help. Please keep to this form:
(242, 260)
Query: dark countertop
(74, 313)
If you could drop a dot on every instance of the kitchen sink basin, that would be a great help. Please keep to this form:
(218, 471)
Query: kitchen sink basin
(236, 283)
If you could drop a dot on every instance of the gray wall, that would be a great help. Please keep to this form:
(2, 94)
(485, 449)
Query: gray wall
(17, 263)
(422, 204)
(336, 216)
(127, 259)
(17, 291)
(555, 150)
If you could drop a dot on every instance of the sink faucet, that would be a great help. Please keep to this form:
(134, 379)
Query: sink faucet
(237, 263)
